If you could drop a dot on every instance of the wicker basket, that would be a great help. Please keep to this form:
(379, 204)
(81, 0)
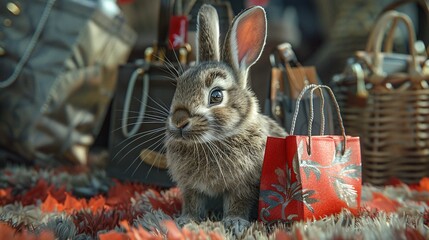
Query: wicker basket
(388, 109)
(395, 136)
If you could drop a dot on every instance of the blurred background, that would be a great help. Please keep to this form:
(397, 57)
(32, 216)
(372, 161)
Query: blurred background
(323, 33)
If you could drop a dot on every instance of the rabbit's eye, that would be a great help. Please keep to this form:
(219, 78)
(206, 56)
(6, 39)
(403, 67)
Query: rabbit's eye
(216, 96)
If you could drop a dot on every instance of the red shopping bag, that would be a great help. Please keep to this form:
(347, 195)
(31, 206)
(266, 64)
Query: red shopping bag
(310, 177)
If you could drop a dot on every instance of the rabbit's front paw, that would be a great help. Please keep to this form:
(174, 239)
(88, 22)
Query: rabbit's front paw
(236, 225)
(183, 220)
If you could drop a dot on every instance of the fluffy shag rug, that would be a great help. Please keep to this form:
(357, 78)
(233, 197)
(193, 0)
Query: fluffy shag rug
(85, 204)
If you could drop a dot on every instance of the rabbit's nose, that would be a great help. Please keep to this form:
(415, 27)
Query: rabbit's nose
(181, 118)
(182, 124)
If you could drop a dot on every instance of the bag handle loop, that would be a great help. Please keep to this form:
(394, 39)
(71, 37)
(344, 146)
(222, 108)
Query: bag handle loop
(31, 45)
(145, 93)
(376, 38)
(297, 104)
(422, 25)
(312, 88)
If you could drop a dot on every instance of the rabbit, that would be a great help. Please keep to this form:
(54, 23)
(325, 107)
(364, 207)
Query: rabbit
(216, 136)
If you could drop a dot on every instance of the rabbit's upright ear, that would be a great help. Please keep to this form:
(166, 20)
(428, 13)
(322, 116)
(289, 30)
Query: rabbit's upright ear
(207, 34)
(245, 40)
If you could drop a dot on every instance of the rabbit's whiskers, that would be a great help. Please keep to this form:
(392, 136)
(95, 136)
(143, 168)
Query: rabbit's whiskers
(178, 71)
(139, 136)
(155, 144)
(195, 152)
(163, 109)
(170, 66)
(225, 146)
(222, 154)
(151, 119)
(156, 114)
(212, 152)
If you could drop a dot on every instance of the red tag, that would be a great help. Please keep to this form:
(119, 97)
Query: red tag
(178, 32)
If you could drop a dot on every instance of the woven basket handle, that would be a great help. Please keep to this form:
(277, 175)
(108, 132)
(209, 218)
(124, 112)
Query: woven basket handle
(376, 39)
(424, 6)
(312, 88)
(389, 40)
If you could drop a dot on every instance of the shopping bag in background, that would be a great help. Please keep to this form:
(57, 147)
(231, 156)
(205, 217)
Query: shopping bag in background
(288, 79)
(141, 104)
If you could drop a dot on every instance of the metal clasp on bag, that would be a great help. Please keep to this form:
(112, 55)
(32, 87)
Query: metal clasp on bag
(13, 8)
(31, 45)
(158, 54)
(286, 53)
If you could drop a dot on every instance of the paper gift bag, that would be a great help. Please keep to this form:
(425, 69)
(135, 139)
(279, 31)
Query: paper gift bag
(310, 177)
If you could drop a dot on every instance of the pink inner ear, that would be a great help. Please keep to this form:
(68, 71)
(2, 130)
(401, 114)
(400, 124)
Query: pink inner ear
(250, 36)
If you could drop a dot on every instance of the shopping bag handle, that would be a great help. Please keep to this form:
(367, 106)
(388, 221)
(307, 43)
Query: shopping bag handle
(31, 45)
(312, 88)
(322, 105)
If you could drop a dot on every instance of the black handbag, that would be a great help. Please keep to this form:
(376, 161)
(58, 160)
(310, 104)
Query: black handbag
(144, 93)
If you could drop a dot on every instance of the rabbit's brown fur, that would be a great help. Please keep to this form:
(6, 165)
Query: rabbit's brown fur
(217, 149)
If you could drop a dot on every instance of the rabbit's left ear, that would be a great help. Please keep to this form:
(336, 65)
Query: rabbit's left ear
(245, 40)
(207, 34)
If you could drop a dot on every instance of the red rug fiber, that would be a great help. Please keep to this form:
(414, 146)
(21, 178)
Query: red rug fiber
(82, 204)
